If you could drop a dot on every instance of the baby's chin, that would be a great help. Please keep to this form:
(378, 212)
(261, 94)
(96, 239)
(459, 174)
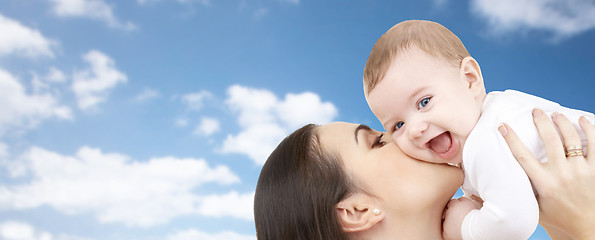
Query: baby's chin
(437, 160)
(454, 160)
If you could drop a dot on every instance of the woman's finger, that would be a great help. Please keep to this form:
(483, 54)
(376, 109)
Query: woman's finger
(572, 142)
(589, 130)
(553, 144)
(530, 164)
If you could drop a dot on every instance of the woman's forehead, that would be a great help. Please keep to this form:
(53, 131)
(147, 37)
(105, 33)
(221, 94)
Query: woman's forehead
(336, 130)
(334, 135)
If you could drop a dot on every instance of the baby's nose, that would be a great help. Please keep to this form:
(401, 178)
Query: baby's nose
(416, 130)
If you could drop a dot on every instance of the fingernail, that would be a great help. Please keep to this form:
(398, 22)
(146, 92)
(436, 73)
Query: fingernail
(502, 129)
(557, 115)
(583, 119)
(537, 112)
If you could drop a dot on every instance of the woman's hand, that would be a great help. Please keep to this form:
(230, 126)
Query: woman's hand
(565, 185)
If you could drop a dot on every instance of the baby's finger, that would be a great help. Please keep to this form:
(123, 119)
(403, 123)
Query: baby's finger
(572, 141)
(549, 135)
(589, 130)
(529, 163)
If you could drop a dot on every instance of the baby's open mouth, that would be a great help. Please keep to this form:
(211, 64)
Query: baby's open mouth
(443, 145)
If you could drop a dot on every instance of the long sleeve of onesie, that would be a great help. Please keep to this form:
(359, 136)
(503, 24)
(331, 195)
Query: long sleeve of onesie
(510, 210)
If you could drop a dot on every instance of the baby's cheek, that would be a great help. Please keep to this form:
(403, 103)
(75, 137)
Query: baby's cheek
(395, 139)
(408, 148)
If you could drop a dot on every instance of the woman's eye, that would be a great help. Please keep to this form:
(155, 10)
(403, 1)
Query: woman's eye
(379, 142)
(423, 103)
(399, 125)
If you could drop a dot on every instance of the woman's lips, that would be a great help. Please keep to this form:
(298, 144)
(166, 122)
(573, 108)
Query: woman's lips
(444, 145)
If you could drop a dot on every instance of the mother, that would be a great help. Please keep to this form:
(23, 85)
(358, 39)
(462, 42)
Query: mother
(347, 181)
(323, 182)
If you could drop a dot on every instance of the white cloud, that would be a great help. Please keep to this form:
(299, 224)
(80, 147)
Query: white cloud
(300, 109)
(55, 75)
(207, 126)
(195, 101)
(192, 234)
(561, 18)
(231, 204)
(19, 110)
(118, 190)
(257, 141)
(265, 120)
(91, 86)
(147, 94)
(21, 40)
(255, 106)
(93, 9)
(12, 230)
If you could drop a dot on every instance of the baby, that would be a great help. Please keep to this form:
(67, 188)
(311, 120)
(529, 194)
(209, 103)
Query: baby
(428, 93)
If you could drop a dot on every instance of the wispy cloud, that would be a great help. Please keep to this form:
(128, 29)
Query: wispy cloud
(92, 9)
(561, 18)
(20, 111)
(117, 189)
(195, 101)
(21, 40)
(181, 122)
(147, 94)
(92, 86)
(265, 120)
(55, 75)
(207, 126)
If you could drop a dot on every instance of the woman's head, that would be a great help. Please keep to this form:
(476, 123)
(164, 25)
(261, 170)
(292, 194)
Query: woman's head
(324, 182)
(298, 188)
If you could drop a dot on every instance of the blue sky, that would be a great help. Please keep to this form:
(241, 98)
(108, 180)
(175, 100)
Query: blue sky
(150, 119)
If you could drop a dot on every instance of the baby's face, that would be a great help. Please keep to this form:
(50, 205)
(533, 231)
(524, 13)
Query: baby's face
(426, 105)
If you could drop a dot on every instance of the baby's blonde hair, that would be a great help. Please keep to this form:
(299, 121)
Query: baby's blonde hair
(431, 37)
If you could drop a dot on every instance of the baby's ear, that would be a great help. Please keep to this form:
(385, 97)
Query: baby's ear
(358, 213)
(471, 73)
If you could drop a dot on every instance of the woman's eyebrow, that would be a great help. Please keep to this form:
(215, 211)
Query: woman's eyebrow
(360, 127)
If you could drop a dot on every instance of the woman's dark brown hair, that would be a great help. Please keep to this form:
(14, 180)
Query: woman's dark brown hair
(298, 189)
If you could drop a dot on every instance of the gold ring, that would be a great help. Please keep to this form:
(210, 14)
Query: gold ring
(575, 147)
(575, 153)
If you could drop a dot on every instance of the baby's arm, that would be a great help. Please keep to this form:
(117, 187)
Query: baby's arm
(455, 212)
(510, 210)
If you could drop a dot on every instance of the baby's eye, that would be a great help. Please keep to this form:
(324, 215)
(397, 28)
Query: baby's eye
(423, 103)
(399, 125)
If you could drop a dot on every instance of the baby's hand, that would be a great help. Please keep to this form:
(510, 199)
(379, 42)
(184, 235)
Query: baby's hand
(455, 212)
